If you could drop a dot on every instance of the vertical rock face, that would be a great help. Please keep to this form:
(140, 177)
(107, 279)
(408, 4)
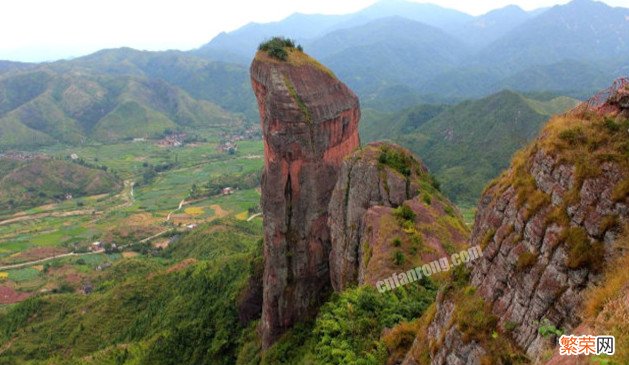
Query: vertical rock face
(373, 181)
(549, 227)
(309, 124)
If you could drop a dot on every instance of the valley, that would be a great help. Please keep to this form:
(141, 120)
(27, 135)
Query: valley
(130, 216)
(242, 202)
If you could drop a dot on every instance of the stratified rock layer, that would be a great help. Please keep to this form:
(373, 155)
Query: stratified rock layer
(363, 224)
(548, 226)
(309, 124)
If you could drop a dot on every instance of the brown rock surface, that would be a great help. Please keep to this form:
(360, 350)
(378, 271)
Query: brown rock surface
(309, 124)
(549, 226)
(362, 221)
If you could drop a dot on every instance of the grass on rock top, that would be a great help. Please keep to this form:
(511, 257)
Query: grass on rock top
(288, 54)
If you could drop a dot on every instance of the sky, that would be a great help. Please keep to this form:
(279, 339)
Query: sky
(46, 30)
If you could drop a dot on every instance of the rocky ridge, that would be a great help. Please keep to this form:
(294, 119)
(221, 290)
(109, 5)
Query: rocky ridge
(549, 227)
(374, 183)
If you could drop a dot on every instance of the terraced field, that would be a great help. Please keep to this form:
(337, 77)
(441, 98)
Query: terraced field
(156, 180)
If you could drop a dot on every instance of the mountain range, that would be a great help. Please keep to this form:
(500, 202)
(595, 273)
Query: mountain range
(402, 58)
(42, 106)
(467, 144)
(499, 49)
(402, 53)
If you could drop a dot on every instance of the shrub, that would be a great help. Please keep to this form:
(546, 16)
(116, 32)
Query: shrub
(473, 318)
(404, 213)
(435, 183)
(398, 258)
(426, 199)
(401, 337)
(460, 276)
(276, 47)
(348, 328)
(573, 136)
(526, 260)
(581, 252)
(487, 238)
(611, 125)
(397, 242)
(396, 159)
(621, 190)
(510, 326)
(547, 329)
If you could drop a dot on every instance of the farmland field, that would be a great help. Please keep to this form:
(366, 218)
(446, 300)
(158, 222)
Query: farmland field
(156, 180)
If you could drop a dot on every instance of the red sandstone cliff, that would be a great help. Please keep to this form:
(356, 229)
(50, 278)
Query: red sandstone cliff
(364, 229)
(309, 124)
(553, 227)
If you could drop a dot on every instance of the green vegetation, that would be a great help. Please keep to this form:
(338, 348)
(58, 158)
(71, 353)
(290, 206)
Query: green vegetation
(404, 213)
(300, 103)
(526, 260)
(548, 329)
(130, 213)
(163, 311)
(76, 107)
(39, 181)
(472, 316)
(348, 327)
(397, 160)
(398, 258)
(276, 47)
(573, 136)
(605, 305)
(468, 144)
(582, 252)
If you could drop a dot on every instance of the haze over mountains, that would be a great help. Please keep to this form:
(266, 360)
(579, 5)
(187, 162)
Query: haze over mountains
(585, 38)
(434, 52)
(398, 56)
(153, 211)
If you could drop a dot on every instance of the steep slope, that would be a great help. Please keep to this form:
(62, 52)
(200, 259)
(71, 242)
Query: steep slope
(309, 123)
(25, 184)
(386, 215)
(549, 227)
(468, 144)
(43, 106)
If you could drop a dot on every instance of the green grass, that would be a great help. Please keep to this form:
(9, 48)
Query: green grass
(468, 213)
(30, 183)
(194, 164)
(26, 274)
(163, 316)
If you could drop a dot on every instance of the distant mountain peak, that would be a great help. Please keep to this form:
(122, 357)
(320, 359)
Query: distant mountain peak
(585, 4)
